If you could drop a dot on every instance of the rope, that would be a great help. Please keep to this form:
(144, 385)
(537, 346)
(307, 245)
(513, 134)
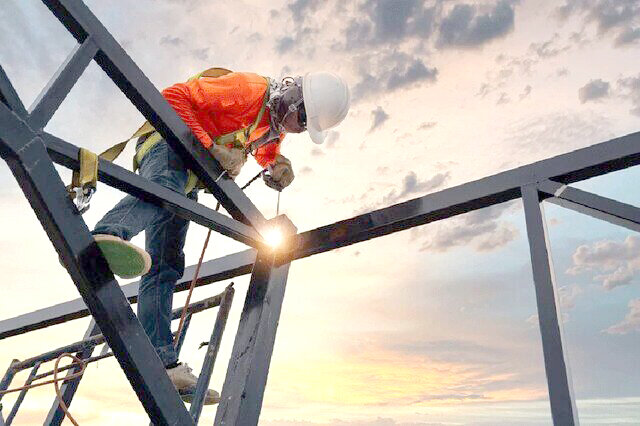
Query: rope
(56, 368)
(183, 315)
(56, 382)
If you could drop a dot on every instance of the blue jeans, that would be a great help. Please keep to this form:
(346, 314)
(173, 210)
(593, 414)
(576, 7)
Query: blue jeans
(165, 238)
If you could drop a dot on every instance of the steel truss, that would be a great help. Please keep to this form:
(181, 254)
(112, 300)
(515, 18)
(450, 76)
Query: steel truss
(30, 153)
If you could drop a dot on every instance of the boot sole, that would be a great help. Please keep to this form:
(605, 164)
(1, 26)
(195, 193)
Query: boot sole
(125, 259)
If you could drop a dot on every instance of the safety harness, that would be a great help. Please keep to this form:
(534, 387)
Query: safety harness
(83, 183)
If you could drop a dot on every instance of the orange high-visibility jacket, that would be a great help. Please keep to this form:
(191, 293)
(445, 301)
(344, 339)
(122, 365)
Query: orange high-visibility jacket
(215, 106)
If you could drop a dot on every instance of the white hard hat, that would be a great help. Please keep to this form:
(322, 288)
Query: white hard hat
(326, 102)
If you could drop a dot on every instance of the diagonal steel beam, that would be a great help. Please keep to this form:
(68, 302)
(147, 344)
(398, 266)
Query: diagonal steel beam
(595, 160)
(61, 84)
(81, 22)
(594, 205)
(9, 96)
(27, 158)
(66, 154)
(563, 407)
(224, 268)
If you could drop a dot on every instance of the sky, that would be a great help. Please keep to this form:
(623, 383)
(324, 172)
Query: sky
(431, 326)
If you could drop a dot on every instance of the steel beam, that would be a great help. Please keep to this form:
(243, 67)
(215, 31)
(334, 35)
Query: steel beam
(8, 95)
(563, 408)
(81, 22)
(574, 166)
(215, 340)
(27, 158)
(66, 154)
(68, 389)
(61, 84)
(226, 267)
(22, 394)
(594, 205)
(246, 378)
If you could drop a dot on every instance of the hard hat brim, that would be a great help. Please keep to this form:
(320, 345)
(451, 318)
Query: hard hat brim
(317, 136)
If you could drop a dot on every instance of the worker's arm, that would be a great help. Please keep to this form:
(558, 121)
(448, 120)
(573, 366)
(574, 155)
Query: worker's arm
(266, 154)
(181, 98)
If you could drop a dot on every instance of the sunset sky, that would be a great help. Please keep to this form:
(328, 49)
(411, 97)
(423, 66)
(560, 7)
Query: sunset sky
(432, 326)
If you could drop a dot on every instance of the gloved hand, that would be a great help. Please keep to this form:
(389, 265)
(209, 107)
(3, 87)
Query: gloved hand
(280, 173)
(231, 159)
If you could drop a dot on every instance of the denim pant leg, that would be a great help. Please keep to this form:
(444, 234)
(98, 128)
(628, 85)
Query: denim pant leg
(132, 215)
(165, 238)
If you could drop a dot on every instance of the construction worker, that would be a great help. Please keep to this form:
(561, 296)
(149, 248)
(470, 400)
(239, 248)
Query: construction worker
(232, 115)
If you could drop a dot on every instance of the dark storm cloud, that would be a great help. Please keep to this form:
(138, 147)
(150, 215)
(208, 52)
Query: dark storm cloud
(593, 90)
(465, 26)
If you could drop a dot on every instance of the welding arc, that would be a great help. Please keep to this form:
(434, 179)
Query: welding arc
(197, 273)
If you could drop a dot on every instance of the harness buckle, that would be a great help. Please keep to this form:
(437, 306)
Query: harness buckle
(83, 197)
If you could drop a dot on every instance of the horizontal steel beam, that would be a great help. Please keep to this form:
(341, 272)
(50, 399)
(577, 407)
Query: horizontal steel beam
(66, 154)
(115, 62)
(224, 268)
(595, 160)
(594, 205)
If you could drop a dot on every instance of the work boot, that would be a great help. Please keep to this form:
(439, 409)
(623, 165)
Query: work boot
(185, 382)
(125, 259)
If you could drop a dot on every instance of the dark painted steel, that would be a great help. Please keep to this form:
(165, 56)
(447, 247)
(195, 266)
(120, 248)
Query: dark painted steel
(582, 164)
(26, 155)
(246, 378)
(61, 84)
(563, 408)
(81, 22)
(69, 388)
(594, 205)
(183, 333)
(8, 95)
(66, 154)
(6, 381)
(212, 271)
(22, 394)
(210, 357)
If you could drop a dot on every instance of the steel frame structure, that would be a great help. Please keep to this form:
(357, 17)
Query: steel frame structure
(29, 152)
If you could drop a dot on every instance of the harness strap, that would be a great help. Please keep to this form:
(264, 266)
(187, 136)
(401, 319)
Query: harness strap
(86, 177)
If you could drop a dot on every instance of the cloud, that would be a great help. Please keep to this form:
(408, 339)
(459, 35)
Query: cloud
(503, 99)
(593, 90)
(383, 22)
(549, 48)
(332, 138)
(171, 41)
(526, 92)
(615, 262)
(619, 17)
(627, 37)
(481, 229)
(631, 321)
(391, 72)
(630, 88)
(379, 117)
(411, 185)
(466, 26)
(300, 8)
(427, 125)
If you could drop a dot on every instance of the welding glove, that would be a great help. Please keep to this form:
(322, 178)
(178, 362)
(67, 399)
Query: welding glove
(280, 173)
(231, 159)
